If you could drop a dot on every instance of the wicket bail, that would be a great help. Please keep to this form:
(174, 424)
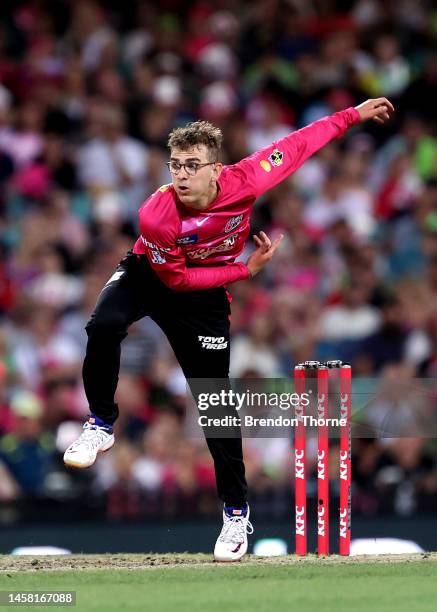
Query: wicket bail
(345, 468)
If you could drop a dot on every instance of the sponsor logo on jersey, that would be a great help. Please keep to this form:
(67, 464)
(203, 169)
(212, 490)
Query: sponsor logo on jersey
(191, 239)
(276, 157)
(151, 245)
(216, 343)
(233, 223)
(157, 258)
(226, 245)
(265, 165)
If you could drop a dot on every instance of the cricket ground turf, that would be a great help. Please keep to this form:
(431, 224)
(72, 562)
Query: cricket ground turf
(193, 583)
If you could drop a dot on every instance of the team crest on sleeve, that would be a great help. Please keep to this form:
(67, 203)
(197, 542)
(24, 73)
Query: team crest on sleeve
(276, 157)
(233, 223)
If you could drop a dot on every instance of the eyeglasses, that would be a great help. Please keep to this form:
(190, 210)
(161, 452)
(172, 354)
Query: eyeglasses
(191, 168)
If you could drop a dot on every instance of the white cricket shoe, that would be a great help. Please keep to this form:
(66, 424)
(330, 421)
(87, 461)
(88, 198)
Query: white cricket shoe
(231, 544)
(83, 452)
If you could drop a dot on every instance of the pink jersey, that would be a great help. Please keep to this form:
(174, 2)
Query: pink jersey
(190, 249)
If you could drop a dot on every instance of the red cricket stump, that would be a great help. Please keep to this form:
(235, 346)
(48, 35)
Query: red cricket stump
(322, 462)
(300, 466)
(345, 459)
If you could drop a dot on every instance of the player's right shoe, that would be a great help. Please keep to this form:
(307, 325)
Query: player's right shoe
(94, 439)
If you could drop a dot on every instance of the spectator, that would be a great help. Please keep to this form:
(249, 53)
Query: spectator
(28, 451)
(112, 161)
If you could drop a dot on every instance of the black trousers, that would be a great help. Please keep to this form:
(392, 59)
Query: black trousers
(133, 292)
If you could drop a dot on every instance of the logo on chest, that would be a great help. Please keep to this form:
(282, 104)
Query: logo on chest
(233, 223)
(191, 239)
(226, 245)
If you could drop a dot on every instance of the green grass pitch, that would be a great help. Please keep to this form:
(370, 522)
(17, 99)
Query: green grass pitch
(193, 583)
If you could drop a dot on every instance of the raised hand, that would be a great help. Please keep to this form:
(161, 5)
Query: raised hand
(378, 109)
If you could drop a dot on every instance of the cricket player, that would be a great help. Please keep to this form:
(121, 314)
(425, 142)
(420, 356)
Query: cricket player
(192, 231)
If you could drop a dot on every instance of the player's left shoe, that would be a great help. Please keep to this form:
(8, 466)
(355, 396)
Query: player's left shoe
(231, 544)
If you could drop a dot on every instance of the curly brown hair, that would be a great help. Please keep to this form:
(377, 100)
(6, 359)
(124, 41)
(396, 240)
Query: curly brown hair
(197, 133)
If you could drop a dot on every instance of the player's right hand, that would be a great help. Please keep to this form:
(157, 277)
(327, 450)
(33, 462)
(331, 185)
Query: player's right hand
(264, 252)
(378, 109)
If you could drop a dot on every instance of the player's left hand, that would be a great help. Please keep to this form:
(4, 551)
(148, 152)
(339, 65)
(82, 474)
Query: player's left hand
(378, 109)
(264, 252)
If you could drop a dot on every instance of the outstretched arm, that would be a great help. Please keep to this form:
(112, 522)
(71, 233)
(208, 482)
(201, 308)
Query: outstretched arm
(268, 167)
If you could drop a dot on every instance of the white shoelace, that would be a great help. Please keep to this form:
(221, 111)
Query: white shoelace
(92, 436)
(235, 529)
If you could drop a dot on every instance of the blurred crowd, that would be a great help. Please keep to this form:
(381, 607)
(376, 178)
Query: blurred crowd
(88, 93)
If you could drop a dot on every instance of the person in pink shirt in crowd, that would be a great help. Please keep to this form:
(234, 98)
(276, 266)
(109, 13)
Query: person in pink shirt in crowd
(192, 231)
